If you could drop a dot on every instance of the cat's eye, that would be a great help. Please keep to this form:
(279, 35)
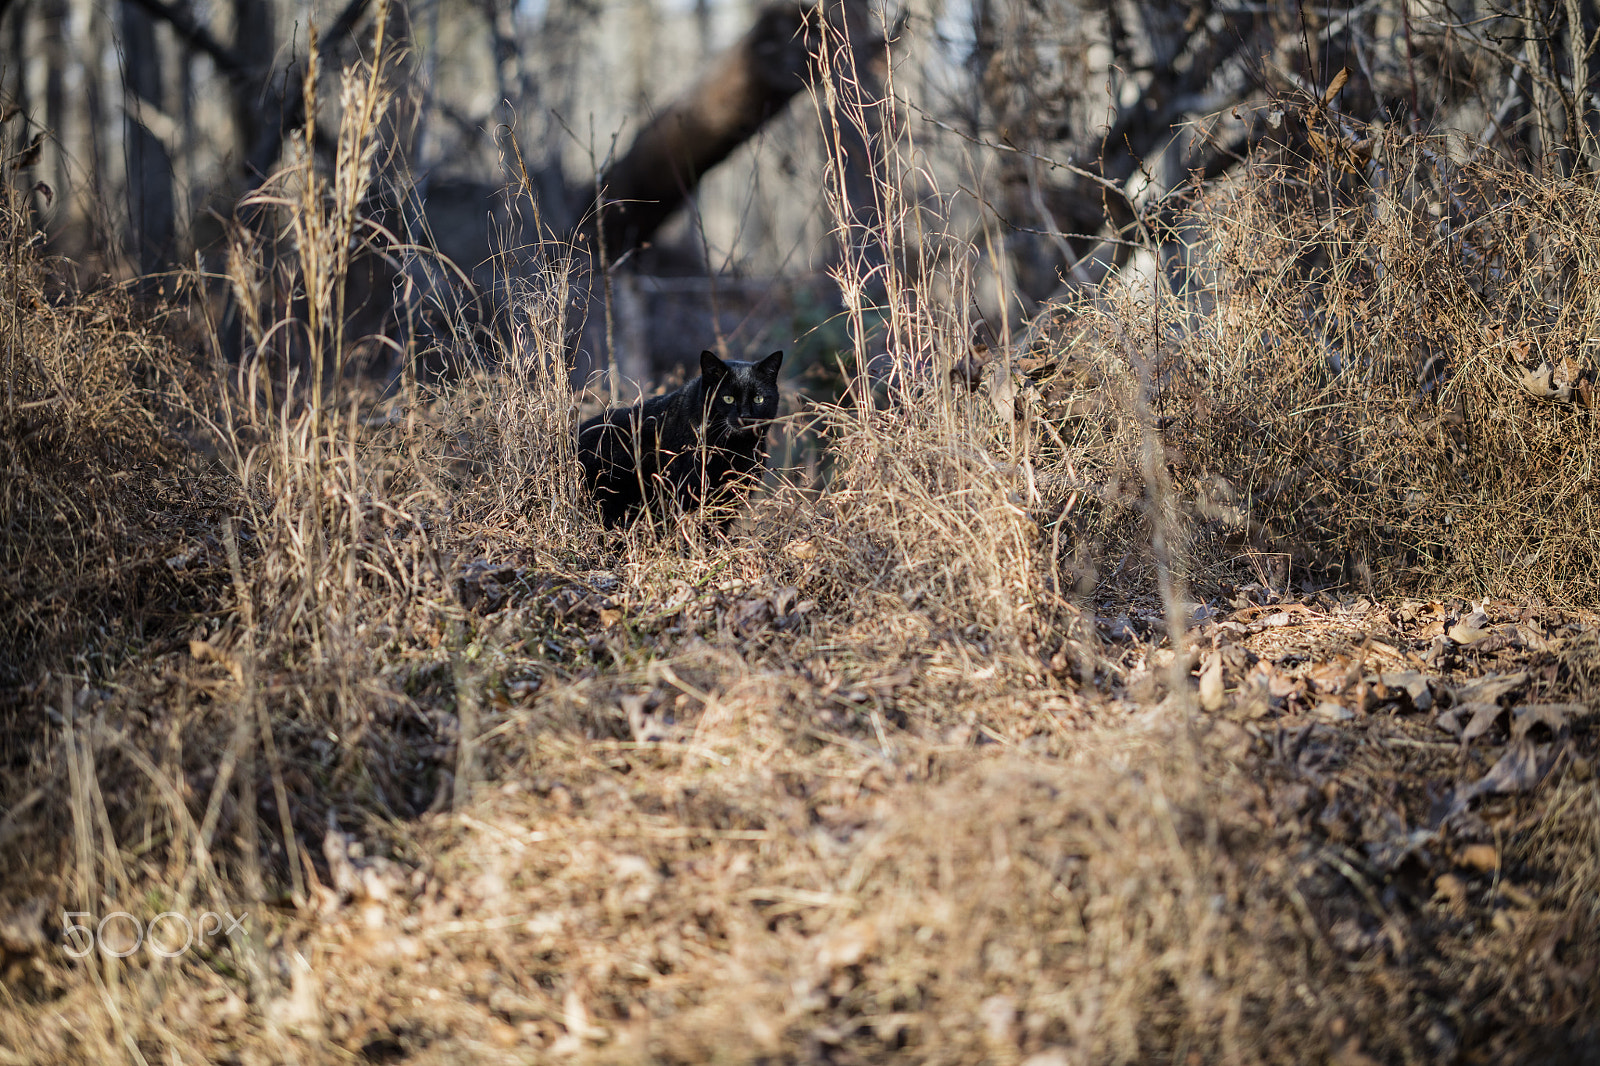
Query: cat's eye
(727, 399)
(761, 399)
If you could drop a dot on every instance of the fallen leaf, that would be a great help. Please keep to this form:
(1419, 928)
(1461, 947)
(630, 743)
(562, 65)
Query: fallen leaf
(1417, 610)
(1484, 716)
(1388, 687)
(1436, 649)
(1335, 85)
(1518, 770)
(1037, 366)
(1480, 857)
(1529, 637)
(1334, 676)
(801, 550)
(1566, 372)
(1280, 684)
(1540, 382)
(1501, 636)
(1002, 391)
(1471, 629)
(1551, 715)
(1490, 688)
(1211, 686)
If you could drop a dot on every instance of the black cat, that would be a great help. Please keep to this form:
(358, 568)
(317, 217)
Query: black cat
(694, 445)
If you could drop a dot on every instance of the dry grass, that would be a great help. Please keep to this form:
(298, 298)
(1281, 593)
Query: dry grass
(103, 493)
(906, 765)
(1386, 381)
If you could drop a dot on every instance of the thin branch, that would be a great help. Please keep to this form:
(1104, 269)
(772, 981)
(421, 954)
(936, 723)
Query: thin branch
(199, 38)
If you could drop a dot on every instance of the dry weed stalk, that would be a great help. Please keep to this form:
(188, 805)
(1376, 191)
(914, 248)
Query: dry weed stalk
(309, 492)
(930, 508)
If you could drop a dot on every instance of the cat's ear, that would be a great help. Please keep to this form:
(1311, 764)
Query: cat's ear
(712, 368)
(768, 367)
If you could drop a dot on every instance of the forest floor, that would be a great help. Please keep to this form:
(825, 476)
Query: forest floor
(803, 851)
(706, 817)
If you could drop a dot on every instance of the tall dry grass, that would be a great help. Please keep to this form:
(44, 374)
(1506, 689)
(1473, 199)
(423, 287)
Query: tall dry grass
(248, 509)
(1393, 380)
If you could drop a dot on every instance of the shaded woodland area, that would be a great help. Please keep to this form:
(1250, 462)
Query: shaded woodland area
(1166, 630)
(1057, 137)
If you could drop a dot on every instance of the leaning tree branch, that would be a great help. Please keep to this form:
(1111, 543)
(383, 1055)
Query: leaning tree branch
(741, 90)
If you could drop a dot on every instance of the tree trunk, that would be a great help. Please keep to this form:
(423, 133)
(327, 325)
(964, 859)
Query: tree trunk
(255, 43)
(151, 209)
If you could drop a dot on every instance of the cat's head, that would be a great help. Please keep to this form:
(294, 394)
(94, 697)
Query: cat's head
(741, 398)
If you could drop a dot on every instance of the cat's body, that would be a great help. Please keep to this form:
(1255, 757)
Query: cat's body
(693, 446)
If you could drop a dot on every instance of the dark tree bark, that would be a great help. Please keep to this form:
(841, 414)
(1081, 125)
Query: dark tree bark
(740, 91)
(277, 103)
(15, 85)
(56, 106)
(151, 209)
(255, 42)
(743, 88)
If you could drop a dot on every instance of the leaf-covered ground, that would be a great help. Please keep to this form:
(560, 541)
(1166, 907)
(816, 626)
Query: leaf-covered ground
(704, 821)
